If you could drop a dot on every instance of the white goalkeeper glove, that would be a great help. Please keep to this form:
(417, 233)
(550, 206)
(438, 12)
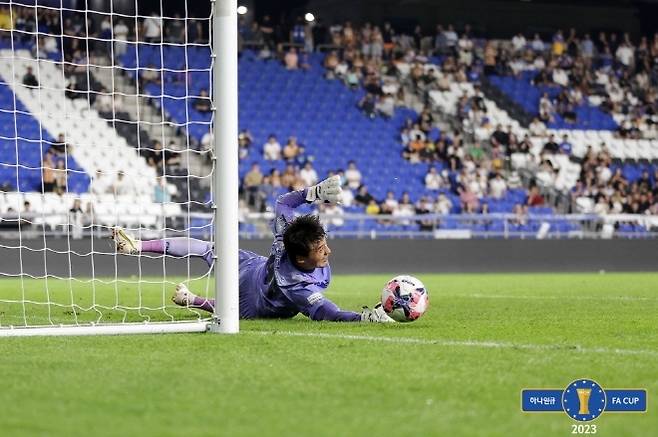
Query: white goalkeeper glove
(375, 315)
(327, 191)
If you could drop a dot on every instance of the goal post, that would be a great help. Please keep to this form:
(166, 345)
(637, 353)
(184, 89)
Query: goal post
(53, 112)
(225, 97)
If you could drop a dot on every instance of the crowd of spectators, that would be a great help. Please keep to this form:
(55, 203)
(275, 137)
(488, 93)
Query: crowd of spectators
(614, 72)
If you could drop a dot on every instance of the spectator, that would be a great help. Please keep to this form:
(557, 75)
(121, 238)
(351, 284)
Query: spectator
(292, 151)
(152, 28)
(61, 174)
(424, 206)
(202, 103)
(518, 42)
(291, 60)
(368, 105)
(389, 204)
(443, 204)
(98, 184)
(353, 176)
(520, 215)
(288, 178)
(551, 145)
(162, 191)
(272, 149)
(309, 175)
(386, 105)
(252, 180)
(363, 197)
(122, 186)
(565, 146)
(537, 128)
(29, 79)
(175, 29)
(120, 38)
(537, 44)
(468, 199)
(497, 186)
(433, 179)
(76, 216)
(534, 197)
(106, 104)
(404, 208)
(334, 214)
(372, 208)
(60, 147)
(348, 196)
(48, 171)
(275, 178)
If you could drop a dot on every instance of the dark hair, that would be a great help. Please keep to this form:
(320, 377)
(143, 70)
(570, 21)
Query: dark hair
(301, 234)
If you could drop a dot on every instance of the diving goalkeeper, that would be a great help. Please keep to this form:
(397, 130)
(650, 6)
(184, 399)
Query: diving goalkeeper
(291, 280)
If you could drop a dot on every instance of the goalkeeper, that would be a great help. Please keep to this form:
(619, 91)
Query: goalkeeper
(291, 280)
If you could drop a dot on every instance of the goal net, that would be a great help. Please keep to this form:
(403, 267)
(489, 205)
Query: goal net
(106, 121)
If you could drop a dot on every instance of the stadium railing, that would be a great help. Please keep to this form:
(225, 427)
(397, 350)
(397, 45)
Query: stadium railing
(350, 225)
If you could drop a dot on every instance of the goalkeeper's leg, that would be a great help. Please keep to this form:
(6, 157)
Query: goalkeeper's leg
(180, 247)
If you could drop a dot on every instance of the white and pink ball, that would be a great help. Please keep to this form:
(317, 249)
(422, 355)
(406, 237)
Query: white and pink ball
(405, 299)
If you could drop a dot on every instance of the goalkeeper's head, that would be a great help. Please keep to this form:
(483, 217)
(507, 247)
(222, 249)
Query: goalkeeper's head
(306, 243)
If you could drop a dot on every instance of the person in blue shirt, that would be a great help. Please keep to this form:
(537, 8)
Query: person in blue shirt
(291, 280)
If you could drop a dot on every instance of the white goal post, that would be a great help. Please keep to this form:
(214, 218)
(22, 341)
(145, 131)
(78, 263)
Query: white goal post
(36, 296)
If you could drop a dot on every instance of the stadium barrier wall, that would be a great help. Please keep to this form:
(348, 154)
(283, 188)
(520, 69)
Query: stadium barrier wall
(352, 257)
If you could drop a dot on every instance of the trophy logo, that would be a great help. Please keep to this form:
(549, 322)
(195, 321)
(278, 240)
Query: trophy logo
(583, 398)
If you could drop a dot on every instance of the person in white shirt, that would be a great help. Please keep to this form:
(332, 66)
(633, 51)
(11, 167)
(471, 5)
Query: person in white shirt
(389, 204)
(537, 128)
(518, 42)
(603, 173)
(416, 133)
(272, 149)
(309, 175)
(537, 44)
(153, 28)
(451, 36)
(545, 176)
(560, 77)
(602, 207)
(104, 101)
(347, 197)
(120, 35)
(443, 204)
(334, 214)
(433, 180)
(497, 186)
(624, 54)
(206, 141)
(404, 209)
(98, 184)
(353, 176)
(122, 186)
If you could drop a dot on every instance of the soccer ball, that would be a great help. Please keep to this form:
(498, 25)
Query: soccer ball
(405, 299)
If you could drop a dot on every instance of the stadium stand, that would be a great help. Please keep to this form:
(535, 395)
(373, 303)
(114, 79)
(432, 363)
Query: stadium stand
(360, 100)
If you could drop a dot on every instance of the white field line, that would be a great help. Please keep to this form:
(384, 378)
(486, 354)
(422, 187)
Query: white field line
(539, 297)
(461, 343)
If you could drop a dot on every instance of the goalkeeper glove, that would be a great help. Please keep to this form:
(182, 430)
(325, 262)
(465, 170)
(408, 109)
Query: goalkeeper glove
(375, 315)
(327, 191)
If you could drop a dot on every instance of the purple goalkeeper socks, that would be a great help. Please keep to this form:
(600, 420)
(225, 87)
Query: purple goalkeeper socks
(204, 304)
(177, 246)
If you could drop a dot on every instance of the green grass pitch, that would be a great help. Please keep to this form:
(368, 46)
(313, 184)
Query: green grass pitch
(458, 371)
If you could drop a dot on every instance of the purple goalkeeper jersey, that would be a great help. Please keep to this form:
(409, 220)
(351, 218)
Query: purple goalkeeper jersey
(274, 287)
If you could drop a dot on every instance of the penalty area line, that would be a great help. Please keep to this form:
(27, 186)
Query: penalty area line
(461, 343)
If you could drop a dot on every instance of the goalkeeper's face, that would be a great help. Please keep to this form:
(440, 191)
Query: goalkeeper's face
(318, 255)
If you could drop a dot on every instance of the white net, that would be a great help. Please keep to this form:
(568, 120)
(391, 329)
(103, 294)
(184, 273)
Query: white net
(105, 121)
